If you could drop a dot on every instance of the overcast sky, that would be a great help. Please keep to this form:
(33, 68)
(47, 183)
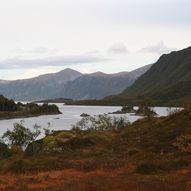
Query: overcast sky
(43, 36)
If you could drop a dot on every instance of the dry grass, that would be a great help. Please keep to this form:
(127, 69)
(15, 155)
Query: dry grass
(117, 180)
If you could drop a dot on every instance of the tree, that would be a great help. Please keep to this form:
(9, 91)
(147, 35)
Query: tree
(21, 136)
(7, 105)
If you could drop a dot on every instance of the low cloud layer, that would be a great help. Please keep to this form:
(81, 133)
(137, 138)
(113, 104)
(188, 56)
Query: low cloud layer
(40, 50)
(118, 48)
(17, 63)
(159, 48)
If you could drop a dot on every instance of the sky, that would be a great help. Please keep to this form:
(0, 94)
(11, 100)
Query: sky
(45, 36)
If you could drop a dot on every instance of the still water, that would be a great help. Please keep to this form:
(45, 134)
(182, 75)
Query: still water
(70, 115)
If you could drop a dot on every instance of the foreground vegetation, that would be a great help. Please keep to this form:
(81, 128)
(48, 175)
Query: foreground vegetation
(150, 154)
(9, 109)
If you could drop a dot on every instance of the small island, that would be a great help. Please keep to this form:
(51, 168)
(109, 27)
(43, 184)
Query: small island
(124, 110)
(145, 108)
(9, 109)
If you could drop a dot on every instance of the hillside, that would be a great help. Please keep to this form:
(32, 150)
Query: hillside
(69, 84)
(167, 80)
(150, 154)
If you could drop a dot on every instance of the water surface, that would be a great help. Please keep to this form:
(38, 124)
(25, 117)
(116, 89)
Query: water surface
(70, 115)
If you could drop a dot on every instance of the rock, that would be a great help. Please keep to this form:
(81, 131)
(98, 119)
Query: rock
(84, 115)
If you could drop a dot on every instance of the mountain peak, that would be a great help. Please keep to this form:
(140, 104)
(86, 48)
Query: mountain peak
(98, 74)
(69, 70)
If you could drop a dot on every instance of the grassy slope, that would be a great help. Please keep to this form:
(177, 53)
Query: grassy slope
(147, 155)
(171, 72)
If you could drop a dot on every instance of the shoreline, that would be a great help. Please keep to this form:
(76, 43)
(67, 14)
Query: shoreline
(27, 115)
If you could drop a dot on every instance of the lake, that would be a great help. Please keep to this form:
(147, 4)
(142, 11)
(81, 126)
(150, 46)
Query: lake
(70, 115)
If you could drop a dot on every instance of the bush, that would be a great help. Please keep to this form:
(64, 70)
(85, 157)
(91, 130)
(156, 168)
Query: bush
(119, 123)
(148, 168)
(78, 143)
(18, 165)
(101, 123)
(4, 151)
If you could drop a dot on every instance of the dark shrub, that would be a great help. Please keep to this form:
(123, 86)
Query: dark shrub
(4, 151)
(148, 168)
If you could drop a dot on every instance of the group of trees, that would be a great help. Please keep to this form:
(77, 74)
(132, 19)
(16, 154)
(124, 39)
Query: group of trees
(7, 105)
(31, 108)
(45, 108)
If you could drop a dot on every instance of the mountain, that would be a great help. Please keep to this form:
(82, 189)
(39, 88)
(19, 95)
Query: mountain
(4, 81)
(41, 87)
(70, 84)
(168, 80)
(98, 85)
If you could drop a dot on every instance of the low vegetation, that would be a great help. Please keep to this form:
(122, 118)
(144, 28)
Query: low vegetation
(147, 155)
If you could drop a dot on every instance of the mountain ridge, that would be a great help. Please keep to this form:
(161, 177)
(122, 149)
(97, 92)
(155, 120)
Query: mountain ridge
(162, 81)
(66, 84)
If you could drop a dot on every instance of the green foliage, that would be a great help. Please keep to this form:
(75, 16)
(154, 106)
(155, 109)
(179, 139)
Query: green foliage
(39, 109)
(20, 135)
(9, 109)
(119, 123)
(7, 105)
(101, 123)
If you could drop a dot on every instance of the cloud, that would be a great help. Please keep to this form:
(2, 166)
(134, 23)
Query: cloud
(159, 48)
(20, 63)
(40, 50)
(118, 48)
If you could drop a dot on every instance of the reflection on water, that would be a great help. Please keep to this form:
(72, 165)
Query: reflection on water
(70, 115)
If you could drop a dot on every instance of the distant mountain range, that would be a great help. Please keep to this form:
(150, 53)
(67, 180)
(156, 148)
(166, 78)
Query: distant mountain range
(70, 84)
(167, 81)
(98, 85)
